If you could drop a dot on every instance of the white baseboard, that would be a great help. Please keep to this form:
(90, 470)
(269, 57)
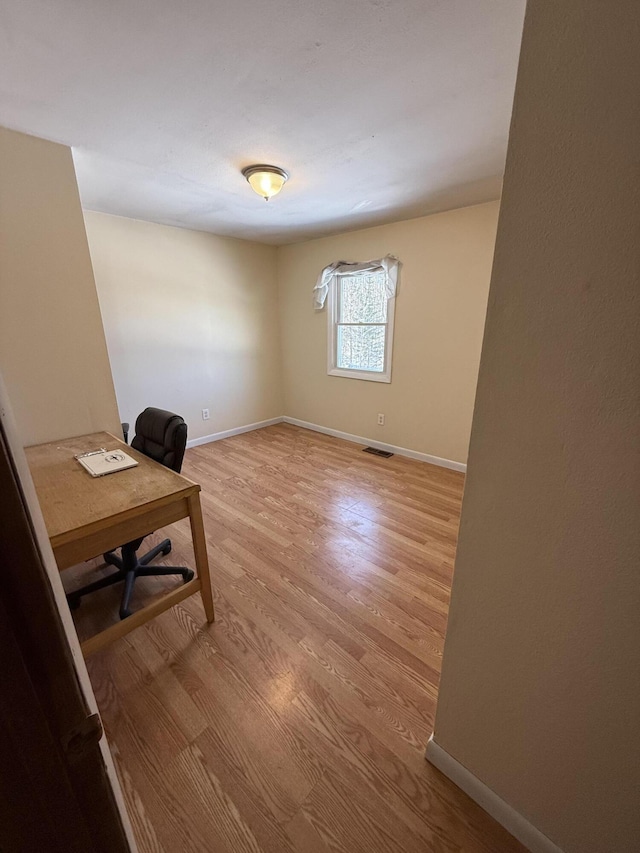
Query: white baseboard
(227, 433)
(513, 821)
(346, 436)
(371, 442)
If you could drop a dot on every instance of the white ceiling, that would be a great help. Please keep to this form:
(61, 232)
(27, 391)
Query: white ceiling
(379, 109)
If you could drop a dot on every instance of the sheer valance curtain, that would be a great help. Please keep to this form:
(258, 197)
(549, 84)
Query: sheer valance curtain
(388, 265)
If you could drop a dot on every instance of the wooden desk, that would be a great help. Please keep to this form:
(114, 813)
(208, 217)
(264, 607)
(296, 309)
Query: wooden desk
(86, 516)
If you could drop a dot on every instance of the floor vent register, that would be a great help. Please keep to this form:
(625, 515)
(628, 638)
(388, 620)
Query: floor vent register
(374, 450)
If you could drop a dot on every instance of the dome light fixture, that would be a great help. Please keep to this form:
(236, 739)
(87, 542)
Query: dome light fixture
(267, 181)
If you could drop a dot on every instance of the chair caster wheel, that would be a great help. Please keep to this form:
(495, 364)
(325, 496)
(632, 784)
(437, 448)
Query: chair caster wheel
(167, 549)
(188, 576)
(73, 601)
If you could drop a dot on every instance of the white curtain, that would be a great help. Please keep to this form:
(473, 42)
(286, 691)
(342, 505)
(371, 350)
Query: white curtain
(389, 265)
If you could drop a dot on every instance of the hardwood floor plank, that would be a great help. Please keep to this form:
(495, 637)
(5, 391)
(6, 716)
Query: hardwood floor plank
(168, 808)
(297, 722)
(304, 836)
(353, 753)
(310, 657)
(398, 738)
(393, 703)
(221, 820)
(143, 827)
(348, 825)
(248, 704)
(153, 720)
(330, 615)
(265, 810)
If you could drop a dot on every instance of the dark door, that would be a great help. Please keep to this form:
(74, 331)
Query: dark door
(56, 792)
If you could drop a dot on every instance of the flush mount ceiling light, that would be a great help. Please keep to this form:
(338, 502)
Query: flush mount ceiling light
(267, 181)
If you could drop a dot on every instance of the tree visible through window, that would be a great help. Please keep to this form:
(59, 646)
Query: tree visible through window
(361, 322)
(361, 313)
(362, 298)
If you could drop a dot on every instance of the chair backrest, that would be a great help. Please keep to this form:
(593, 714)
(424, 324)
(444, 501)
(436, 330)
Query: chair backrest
(162, 436)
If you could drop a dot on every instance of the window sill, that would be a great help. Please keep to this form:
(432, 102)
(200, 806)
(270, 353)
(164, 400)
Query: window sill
(368, 376)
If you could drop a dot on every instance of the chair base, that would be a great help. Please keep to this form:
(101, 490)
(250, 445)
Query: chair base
(130, 567)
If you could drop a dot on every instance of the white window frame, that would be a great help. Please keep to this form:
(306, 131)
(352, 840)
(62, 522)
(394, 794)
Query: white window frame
(332, 340)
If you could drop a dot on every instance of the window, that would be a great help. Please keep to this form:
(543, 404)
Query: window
(360, 323)
(360, 316)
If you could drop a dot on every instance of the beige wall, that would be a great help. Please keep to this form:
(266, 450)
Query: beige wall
(190, 320)
(541, 680)
(53, 355)
(440, 310)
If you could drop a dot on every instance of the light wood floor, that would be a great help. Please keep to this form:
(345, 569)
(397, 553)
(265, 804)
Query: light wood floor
(298, 721)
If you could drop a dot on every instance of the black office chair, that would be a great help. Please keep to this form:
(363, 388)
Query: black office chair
(161, 436)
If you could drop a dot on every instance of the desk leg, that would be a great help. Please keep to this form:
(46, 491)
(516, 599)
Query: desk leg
(200, 551)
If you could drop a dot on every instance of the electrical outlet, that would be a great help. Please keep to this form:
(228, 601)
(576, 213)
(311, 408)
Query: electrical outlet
(205, 414)
(380, 419)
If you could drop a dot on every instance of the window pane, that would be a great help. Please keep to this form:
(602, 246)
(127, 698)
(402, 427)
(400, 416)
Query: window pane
(362, 299)
(361, 348)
